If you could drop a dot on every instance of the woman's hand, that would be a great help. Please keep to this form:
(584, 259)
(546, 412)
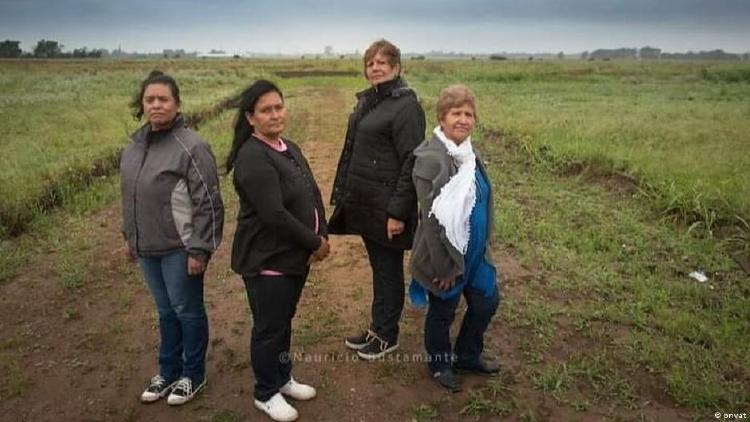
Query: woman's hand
(444, 283)
(321, 253)
(195, 266)
(394, 227)
(129, 255)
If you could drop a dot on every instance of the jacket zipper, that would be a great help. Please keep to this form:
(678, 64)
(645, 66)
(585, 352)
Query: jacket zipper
(135, 195)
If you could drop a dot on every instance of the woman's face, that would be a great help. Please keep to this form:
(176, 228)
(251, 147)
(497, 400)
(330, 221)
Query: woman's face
(269, 116)
(379, 70)
(458, 123)
(159, 105)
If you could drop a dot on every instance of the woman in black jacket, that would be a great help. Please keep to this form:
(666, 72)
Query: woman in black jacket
(373, 191)
(281, 229)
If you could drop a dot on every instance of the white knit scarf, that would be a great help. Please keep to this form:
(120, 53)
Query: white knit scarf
(453, 206)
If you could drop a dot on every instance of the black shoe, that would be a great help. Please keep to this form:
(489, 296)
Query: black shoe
(359, 341)
(376, 349)
(448, 380)
(483, 367)
(184, 391)
(157, 389)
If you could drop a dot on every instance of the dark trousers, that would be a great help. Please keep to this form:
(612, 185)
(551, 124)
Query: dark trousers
(387, 289)
(273, 303)
(470, 341)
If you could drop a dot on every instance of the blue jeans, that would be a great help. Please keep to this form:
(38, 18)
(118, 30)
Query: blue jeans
(183, 324)
(470, 341)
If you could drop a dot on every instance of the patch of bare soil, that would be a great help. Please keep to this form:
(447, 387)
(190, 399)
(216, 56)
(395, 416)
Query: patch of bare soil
(86, 356)
(615, 182)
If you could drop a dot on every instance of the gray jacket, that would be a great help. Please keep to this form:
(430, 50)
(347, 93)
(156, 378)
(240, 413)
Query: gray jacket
(170, 193)
(432, 254)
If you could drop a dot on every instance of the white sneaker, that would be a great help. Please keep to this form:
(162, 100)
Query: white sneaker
(278, 409)
(298, 391)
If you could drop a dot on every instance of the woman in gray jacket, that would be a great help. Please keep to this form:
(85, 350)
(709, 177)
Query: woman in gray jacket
(451, 253)
(172, 221)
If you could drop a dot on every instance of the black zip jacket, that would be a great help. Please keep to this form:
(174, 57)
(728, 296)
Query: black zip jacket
(373, 177)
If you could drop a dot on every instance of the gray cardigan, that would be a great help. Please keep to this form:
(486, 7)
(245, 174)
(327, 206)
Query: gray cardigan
(432, 254)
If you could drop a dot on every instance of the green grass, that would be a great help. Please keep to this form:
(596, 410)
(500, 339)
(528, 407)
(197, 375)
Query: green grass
(668, 124)
(617, 270)
(425, 413)
(675, 126)
(494, 399)
(13, 383)
(610, 307)
(65, 122)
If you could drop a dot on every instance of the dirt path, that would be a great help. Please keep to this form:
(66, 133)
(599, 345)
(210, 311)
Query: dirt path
(91, 364)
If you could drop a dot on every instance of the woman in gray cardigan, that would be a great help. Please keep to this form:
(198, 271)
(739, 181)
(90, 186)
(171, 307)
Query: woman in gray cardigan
(451, 252)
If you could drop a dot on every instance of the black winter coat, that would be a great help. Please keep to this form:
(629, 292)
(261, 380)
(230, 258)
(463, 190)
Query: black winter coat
(373, 178)
(278, 200)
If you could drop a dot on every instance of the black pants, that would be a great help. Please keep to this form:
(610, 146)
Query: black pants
(387, 289)
(273, 302)
(470, 341)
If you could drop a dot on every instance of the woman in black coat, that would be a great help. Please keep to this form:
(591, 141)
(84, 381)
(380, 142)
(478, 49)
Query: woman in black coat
(373, 192)
(281, 229)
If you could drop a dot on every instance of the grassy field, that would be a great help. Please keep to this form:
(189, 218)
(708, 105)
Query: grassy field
(675, 127)
(611, 179)
(63, 122)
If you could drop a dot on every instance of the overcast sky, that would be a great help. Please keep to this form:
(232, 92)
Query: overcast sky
(307, 26)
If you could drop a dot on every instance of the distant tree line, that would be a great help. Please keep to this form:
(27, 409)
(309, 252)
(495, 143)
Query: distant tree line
(651, 53)
(46, 49)
(10, 48)
(49, 49)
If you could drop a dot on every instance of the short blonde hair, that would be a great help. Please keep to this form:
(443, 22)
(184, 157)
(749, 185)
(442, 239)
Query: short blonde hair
(386, 48)
(455, 96)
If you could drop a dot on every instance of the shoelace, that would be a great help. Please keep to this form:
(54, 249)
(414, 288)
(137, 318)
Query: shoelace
(185, 385)
(158, 381)
(383, 344)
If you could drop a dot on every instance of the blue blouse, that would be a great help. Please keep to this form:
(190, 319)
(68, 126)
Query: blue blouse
(478, 273)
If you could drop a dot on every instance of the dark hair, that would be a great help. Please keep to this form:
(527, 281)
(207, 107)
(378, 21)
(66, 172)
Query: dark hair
(242, 128)
(386, 48)
(155, 77)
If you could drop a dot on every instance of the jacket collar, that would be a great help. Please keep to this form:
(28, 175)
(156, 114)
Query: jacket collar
(385, 89)
(145, 133)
